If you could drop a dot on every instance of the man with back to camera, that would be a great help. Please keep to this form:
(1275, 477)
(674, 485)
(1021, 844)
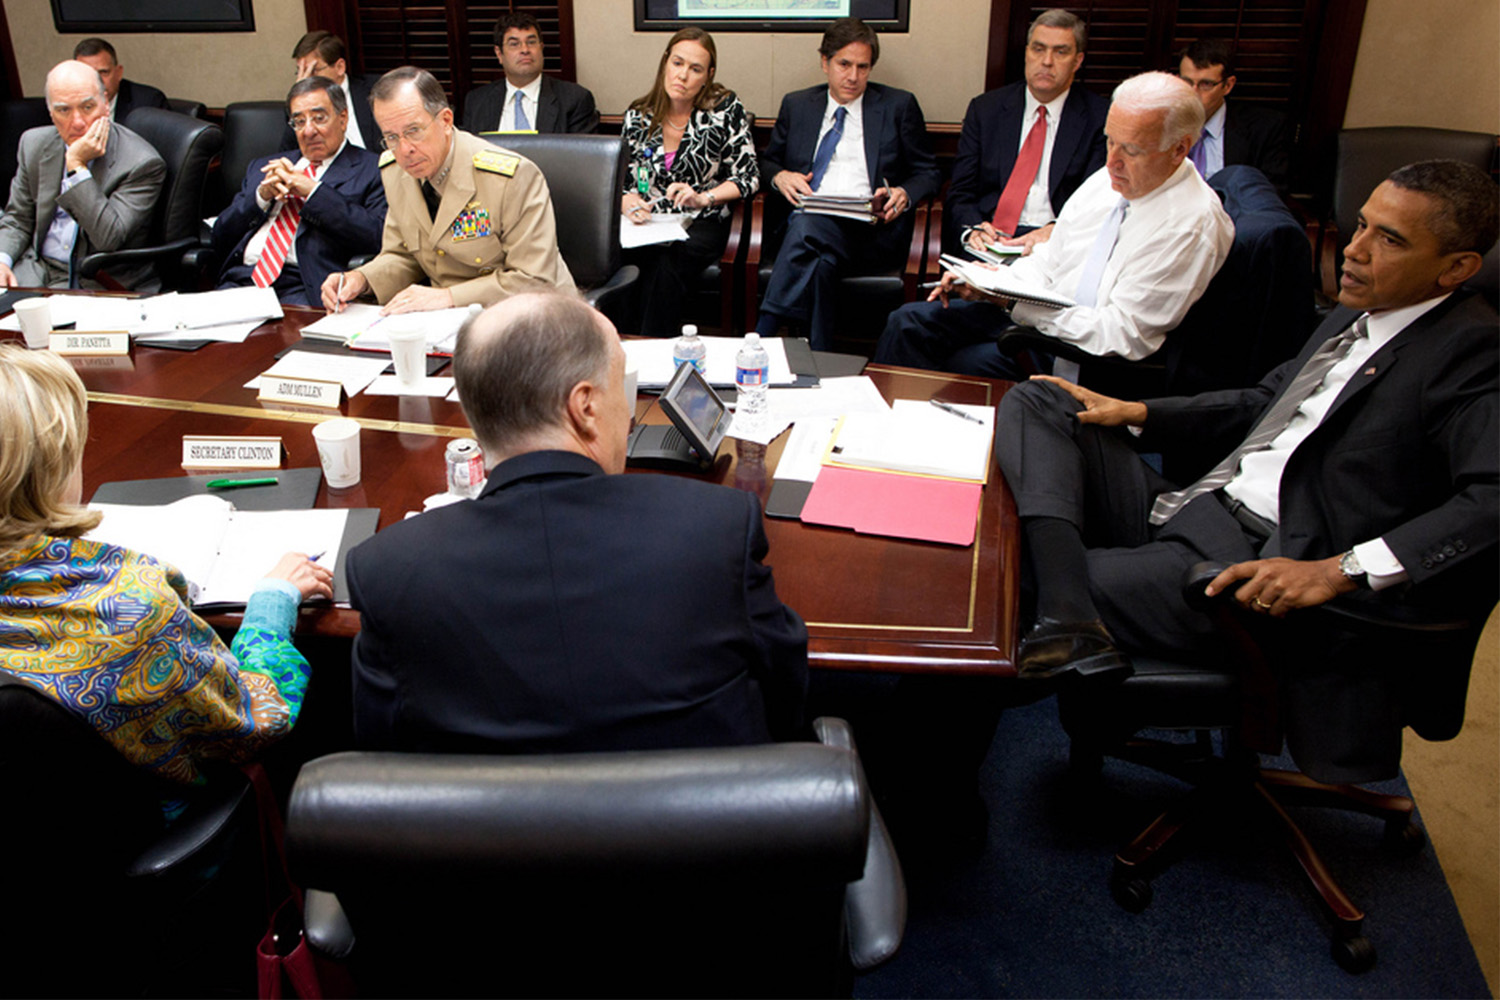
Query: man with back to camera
(124, 95)
(569, 607)
(850, 137)
(1134, 247)
(322, 53)
(1246, 133)
(547, 104)
(82, 185)
(474, 220)
(1366, 466)
(303, 214)
(1026, 147)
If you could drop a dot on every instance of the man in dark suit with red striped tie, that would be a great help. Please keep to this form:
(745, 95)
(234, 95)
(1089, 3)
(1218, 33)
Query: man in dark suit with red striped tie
(301, 215)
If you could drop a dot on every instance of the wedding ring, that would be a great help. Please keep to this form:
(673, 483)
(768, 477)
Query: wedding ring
(1262, 604)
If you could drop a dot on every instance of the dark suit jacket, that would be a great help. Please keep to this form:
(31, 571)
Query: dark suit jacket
(991, 138)
(1410, 452)
(1258, 137)
(344, 217)
(134, 95)
(567, 610)
(561, 107)
(896, 147)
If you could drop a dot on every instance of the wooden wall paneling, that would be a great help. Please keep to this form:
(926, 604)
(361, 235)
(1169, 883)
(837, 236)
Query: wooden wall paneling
(996, 55)
(11, 80)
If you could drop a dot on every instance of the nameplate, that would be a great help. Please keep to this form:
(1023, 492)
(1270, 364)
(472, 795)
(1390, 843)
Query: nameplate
(107, 363)
(301, 391)
(202, 452)
(90, 344)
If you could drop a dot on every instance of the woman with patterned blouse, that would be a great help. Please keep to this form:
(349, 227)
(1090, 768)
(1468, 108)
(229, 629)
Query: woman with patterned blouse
(107, 632)
(690, 151)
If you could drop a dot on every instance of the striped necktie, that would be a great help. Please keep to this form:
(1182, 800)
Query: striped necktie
(1272, 423)
(279, 242)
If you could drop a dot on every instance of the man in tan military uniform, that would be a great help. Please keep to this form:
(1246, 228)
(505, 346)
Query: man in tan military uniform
(490, 232)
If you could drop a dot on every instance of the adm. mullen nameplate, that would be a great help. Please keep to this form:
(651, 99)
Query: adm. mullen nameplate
(301, 391)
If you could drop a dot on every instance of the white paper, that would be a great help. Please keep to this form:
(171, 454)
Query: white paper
(390, 385)
(1004, 282)
(920, 438)
(653, 360)
(228, 333)
(658, 229)
(353, 371)
(223, 552)
(771, 428)
(832, 397)
(87, 313)
(165, 313)
(803, 455)
(361, 326)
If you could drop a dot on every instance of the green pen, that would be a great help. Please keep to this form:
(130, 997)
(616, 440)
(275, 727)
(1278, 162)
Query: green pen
(234, 484)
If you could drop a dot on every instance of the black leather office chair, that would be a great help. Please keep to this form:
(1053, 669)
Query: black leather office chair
(585, 174)
(98, 894)
(865, 300)
(16, 117)
(732, 871)
(193, 109)
(1255, 314)
(1365, 157)
(252, 129)
(188, 145)
(1241, 696)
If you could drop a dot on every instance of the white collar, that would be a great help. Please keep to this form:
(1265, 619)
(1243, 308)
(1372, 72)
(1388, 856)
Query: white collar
(1215, 124)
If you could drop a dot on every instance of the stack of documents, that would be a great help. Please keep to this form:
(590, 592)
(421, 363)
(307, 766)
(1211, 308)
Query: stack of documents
(841, 206)
(223, 552)
(662, 227)
(1004, 282)
(996, 253)
(227, 315)
(916, 472)
(362, 327)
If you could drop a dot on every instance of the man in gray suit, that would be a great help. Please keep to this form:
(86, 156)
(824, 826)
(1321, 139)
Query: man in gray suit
(86, 185)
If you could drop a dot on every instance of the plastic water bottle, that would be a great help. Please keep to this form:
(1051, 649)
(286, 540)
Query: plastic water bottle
(752, 374)
(689, 350)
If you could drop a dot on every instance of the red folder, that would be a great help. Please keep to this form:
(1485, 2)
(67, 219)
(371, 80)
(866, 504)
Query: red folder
(888, 503)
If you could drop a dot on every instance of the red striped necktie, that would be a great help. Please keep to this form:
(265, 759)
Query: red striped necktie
(279, 243)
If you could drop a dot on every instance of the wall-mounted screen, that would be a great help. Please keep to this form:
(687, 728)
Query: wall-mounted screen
(768, 15)
(118, 16)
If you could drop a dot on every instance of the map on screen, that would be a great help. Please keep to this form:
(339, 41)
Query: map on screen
(771, 8)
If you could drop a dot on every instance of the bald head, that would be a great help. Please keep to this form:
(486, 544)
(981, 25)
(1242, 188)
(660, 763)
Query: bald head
(528, 370)
(75, 98)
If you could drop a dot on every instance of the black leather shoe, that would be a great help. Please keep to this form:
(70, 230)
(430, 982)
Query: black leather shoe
(1077, 649)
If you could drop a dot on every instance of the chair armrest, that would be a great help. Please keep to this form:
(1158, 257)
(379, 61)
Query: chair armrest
(875, 905)
(916, 253)
(933, 268)
(211, 815)
(96, 262)
(606, 296)
(737, 227)
(326, 926)
(1328, 260)
(754, 242)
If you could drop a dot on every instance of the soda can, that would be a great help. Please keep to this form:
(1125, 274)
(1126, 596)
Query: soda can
(465, 467)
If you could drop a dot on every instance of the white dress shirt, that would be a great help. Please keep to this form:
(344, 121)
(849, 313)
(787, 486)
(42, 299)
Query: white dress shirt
(1037, 211)
(1172, 242)
(1257, 482)
(530, 95)
(848, 174)
(351, 132)
(257, 245)
(1213, 141)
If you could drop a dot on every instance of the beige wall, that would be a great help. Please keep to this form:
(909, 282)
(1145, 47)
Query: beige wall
(941, 59)
(224, 66)
(1435, 63)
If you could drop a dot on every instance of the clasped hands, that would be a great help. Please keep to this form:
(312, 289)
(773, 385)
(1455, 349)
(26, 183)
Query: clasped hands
(283, 180)
(1266, 586)
(886, 202)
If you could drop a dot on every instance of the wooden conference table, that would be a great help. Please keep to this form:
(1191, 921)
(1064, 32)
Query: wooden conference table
(870, 603)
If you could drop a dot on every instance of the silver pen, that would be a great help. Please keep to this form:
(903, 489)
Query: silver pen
(948, 408)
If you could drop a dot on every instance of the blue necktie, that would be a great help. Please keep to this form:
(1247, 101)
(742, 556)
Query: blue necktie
(522, 123)
(1199, 155)
(1104, 245)
(824, 155)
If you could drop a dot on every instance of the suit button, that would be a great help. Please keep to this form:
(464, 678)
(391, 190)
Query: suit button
(1438, 557)
(1449, 551)
(1427, 564)
(480, 260)
(1461, 545)
(442, 254)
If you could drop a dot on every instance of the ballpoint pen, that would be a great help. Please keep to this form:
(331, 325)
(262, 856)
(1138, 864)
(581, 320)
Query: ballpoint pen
(949, 408)
(235, 484)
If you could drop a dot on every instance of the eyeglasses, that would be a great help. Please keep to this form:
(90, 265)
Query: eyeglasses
(412, 134)
(318, 118)
(1204, 86)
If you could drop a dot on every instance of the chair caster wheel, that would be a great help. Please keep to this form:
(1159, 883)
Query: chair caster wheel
(1354, 954)
(1406, 840)
(1133, 894)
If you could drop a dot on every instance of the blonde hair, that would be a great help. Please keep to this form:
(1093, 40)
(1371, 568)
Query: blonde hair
(44, 424)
